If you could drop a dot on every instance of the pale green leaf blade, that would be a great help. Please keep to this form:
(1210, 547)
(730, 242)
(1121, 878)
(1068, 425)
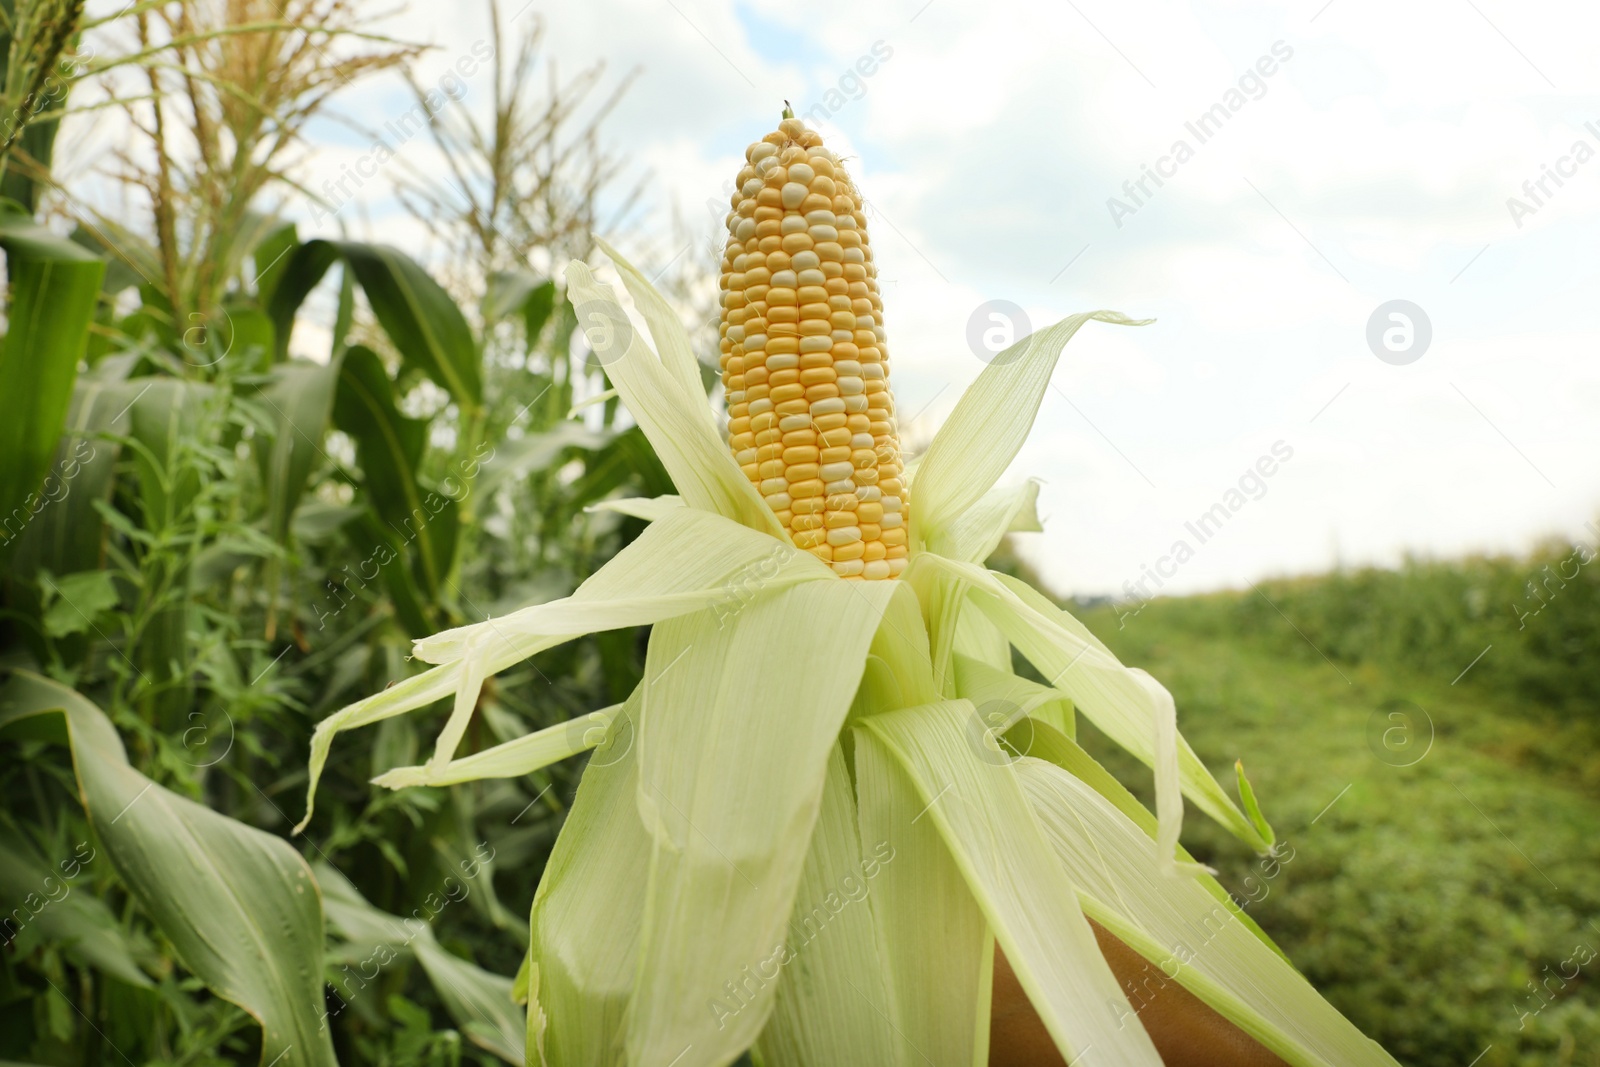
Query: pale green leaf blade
(587, 911)
(934, 941)
(975, 799)
(832, 1006)
(667, 331)
(974, 535)
(702, 467)
(1045, 742)
(1183, 930)
(666, 572)
(648, 508)
(737, 724)
(478, 1000)
(666, 569)
(515, 758)
(1003, 699)
(239, 905)
(988, 426)
(1129, 706)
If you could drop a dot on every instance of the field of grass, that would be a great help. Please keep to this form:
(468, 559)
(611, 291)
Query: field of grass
(1442, 890)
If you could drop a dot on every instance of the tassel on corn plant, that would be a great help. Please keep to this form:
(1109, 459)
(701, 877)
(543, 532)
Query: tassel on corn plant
(809, 827)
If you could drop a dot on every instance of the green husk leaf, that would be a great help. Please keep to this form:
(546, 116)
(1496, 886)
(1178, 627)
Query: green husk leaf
(1045, 742)
(1182, 930)
(1252, 807)
(739, 718)
(988, 426)
(974, 798)
(976, 533)
(702, 468)
(648, 508)
(935, 943)
(587, 911)
(666, 330)
(515, 758)
(666, 571)
(832, 1004)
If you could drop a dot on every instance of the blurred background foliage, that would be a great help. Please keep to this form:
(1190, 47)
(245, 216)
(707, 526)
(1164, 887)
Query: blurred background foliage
(242, 469)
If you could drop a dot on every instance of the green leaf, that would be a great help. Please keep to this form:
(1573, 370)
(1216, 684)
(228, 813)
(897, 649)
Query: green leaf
(666, 330)
(1129, 706)
(77, 600)
(519, 292)
(587, 911)
(988, 426)
(53, 288)
(1043, 741)
(694, 454)
(299, 398)
(832, 1004)
(418, 315)
(731, 770)
(1252, 807)
(239, 905)
(518, 757)
(639, 507)
(271, 256)
(975, 800)
(516, 457)
(664, 572)
(935, 943)
(1183, 931)
(974, 536)
(57, 902)
(63, 531)
(389, 448)
(478, 1000)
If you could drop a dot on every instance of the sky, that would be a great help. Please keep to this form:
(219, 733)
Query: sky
(1357, 153)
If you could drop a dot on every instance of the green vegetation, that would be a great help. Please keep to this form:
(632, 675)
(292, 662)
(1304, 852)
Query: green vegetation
(1430, 883)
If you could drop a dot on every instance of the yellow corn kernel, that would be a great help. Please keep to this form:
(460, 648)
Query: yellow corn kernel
(804, 365)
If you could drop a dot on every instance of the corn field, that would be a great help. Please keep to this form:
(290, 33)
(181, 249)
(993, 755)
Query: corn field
(408, 659)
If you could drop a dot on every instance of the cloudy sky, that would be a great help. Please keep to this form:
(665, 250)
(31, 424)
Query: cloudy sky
(1372, 162)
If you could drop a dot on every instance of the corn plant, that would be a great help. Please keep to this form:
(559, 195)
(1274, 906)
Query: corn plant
(829, 698)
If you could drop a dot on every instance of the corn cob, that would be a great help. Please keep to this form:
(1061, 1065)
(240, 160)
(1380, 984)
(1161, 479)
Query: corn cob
(804, 363)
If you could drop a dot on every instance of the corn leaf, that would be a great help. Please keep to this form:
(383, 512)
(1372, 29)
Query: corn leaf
(648, 508)
(1129, 706)
(425, 325)
(977, 803)
(515, 758)
(737, 723)
(702, 468)
(988, 426)
(1182, 930)
(479, 1001)
(667, 331)
(977, 532)
(61, 910)
(665, 571)
(832, 1006)
(239, 906)
(1045, 742)
(299, 399)
(53, 287)
(586, 914)
(934, 941)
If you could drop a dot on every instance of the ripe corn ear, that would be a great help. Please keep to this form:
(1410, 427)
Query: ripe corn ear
(810, 417)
